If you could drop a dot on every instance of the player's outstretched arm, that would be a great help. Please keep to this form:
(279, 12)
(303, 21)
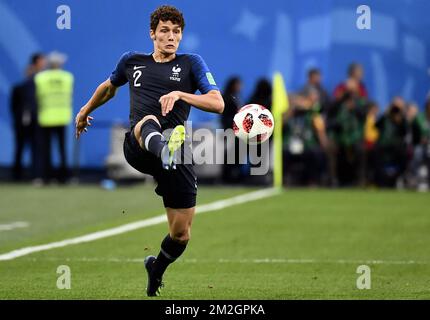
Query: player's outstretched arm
(104, 92)
(211, 101)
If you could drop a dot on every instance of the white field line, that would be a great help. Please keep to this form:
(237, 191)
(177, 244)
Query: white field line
(246, 261)
(13, 225)
(216, 205)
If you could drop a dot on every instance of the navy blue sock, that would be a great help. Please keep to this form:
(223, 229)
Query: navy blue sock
(170, 251)
(152, 138)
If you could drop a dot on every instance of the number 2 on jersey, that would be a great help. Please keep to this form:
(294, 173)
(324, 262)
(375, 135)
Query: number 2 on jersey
(136, 75)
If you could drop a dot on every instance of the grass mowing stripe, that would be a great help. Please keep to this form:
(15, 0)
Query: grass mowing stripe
(216, 205)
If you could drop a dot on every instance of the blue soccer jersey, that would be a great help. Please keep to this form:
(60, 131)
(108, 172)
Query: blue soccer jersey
(148, 80)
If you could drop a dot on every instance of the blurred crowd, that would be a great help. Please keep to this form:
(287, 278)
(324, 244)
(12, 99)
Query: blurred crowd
(340, 139)
(344, 138)
(41, 109)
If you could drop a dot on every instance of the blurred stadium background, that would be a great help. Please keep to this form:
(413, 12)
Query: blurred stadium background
(309, 242)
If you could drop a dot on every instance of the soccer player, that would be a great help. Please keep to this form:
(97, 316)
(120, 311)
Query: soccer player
(162, 89)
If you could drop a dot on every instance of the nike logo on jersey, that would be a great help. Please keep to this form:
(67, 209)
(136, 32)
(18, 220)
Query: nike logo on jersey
(138, 67)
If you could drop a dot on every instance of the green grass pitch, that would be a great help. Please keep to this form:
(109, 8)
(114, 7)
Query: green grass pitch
(300, 244)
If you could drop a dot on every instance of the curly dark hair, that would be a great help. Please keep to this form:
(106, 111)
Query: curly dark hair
(167, 13)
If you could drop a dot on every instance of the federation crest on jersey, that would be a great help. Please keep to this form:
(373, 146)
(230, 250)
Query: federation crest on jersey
(175, 73)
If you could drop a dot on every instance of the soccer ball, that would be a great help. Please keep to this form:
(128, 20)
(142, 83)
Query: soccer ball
(253, 124)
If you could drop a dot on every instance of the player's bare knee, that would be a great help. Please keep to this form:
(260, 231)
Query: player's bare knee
(139, 125)
(150, 117)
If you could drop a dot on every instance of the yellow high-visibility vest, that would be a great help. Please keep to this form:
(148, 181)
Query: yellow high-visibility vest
(371, 132)
(54, 90)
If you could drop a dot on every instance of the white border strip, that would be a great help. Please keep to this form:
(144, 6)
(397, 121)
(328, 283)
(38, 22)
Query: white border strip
(217, 205)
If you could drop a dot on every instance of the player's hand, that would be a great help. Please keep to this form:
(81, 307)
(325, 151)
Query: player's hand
(82, 121)
(168, 101)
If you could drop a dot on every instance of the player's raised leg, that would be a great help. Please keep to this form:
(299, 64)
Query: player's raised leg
(149, 135)
(172, 247)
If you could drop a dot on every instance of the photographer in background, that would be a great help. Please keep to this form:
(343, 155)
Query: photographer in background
(418, 146)
(391, 147)
(314, 82)
(305, 141)
(345, 118)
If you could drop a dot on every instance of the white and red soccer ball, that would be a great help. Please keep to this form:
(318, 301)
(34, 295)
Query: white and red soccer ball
(253, 124)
